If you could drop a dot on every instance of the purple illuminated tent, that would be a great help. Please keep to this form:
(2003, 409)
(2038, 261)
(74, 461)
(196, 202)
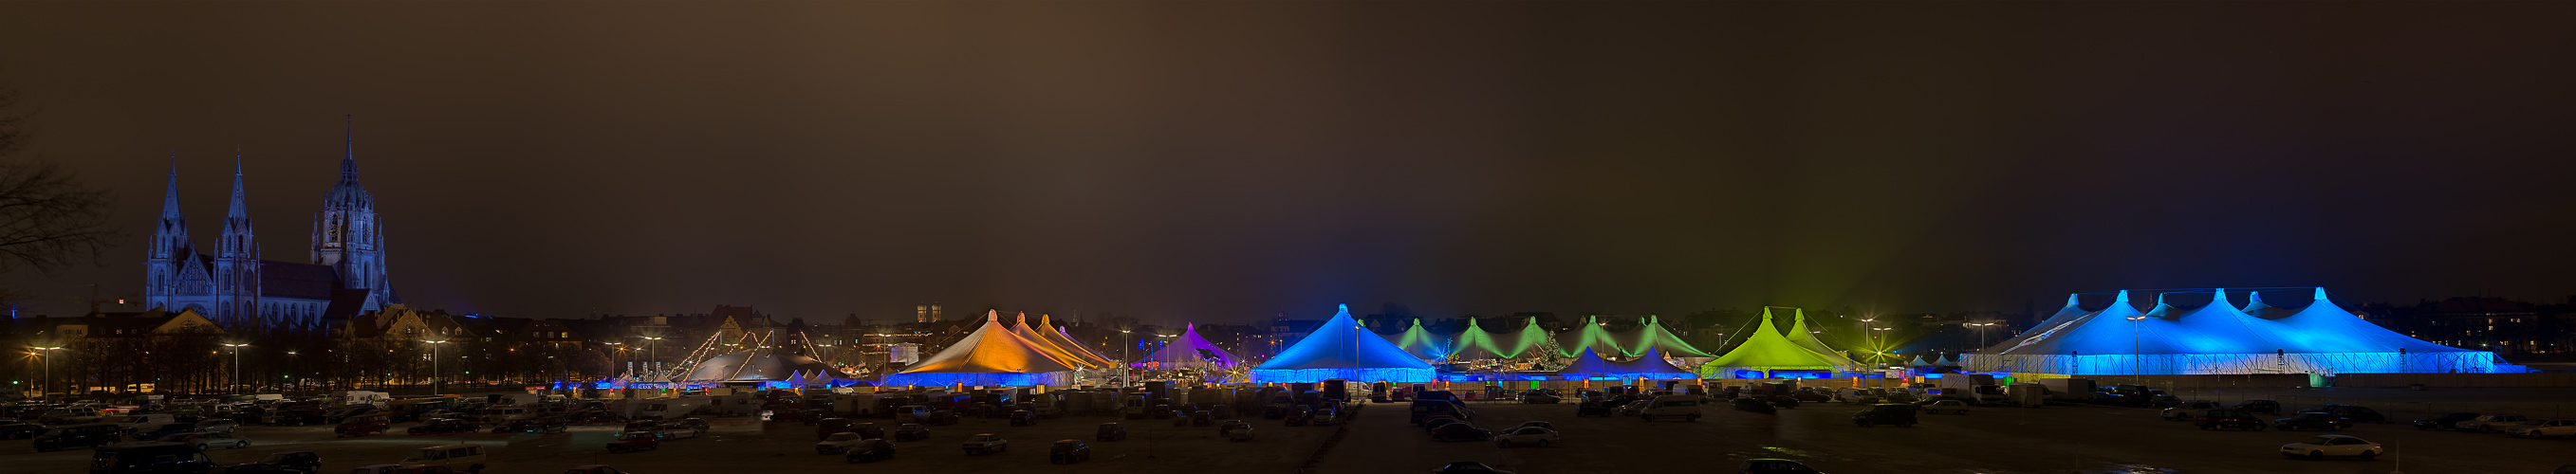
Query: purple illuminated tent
(1190, 351)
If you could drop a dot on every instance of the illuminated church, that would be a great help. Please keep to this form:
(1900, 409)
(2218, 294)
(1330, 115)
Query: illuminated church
(240, 291)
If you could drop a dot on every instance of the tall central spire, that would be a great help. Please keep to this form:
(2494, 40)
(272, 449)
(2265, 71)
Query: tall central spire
(349, 162)
(240, 210)
(170, 199)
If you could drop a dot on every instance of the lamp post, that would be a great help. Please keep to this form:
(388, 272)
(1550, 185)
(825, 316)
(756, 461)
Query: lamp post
(433, 364)
(649, 356)
(1126, 352)
(48, 386)
(1981, 332)
(236, 385)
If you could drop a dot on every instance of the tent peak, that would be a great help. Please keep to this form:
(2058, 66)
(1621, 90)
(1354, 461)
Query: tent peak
(2221, 297)
(2321, 293)
(993, 316)
(2123, 299)
(2070, 300)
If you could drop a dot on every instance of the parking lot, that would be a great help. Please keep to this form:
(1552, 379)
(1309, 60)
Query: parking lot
(2056, 439)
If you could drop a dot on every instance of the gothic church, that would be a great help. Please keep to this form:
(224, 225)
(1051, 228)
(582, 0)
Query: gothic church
(242, 292)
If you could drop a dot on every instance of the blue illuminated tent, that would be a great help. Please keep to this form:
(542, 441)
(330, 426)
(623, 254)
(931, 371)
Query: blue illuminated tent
(2218, 338)
(1341, 349)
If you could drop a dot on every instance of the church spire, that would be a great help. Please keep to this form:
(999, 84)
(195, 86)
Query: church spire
(349, 161)
(239, 209)
(170, 198)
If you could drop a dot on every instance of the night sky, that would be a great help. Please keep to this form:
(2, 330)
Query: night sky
(1219, 162)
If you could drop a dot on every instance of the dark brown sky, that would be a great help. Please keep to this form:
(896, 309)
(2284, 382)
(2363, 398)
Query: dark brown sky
(1221, 161)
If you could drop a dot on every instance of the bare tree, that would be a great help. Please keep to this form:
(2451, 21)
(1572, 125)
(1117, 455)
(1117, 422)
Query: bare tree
(48, 218)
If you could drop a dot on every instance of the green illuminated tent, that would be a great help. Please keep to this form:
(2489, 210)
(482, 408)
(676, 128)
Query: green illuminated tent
(1766, 350)
(1418, 342)
(1651, 335)
(1476, 343)
(1806, 338)
(1590, 336)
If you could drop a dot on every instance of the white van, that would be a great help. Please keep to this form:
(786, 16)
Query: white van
(1685, 407)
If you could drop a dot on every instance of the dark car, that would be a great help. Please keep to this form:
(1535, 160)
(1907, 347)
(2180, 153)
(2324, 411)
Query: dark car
(2315, 420)
(152, 458)
(1301, 416)
(911, 432)
(2226, 419)
(2259, 406)
(1435, 423)
(444, 426)
(1899, 414)
(824, 428)
(165, 429)
(1784, 401)
(2448, 421)
(2357, 414)
(1539, 397)
(1024, 418)
(531, 426)
(1592, 409)
(20, 429)
(867, 430)
(1111, 432)
(1460, 432)
(1068, 451)
(294, 461)
(77, 436)
(1754, 405)
(869, 450)
(1773, 466)
(635, 441)
(941, 417)
(1468, 467)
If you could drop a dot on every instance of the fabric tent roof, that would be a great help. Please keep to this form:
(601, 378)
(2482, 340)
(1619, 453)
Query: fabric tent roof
(1061, 339)
(1918, 362)
(1477, 343)
(1039, 340)
(746, 367)
(1590, 336)
(1651, 335)
(1651, 363)
(1766, 349)
(2218, 338)
(1414, 340)
(1805, 338)
(2074, 310)
(2322, 327)
(1341, 343)
(1190, 351)
(990, 349)
(1945, 361)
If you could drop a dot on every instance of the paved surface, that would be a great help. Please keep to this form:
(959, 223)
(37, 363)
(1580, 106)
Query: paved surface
(2056, 439)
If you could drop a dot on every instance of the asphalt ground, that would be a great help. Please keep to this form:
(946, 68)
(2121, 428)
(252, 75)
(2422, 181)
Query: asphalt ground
(1995, 440)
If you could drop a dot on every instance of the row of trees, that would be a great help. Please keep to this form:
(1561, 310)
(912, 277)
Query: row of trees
(201, 362)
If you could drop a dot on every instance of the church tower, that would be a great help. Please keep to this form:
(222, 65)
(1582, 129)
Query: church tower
(345, 233)
(170, 247)
(236, 272)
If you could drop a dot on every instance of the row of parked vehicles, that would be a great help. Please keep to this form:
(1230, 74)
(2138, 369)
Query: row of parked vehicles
(2511, 424)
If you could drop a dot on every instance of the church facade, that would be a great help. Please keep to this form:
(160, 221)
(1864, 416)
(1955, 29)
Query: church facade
(240, 290)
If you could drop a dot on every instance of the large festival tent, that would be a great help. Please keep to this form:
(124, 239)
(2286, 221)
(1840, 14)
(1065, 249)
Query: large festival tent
(1067, 352)
(744, 366)
(1061, 338)
(1590, 335)
(989, 356)
(2218, 338)
(1766, 353)
(1414, 340)
(1806, 338)
(1341, 349)
(1651, 335)
(1189, 351)
(1590, 365)
(1476, 343)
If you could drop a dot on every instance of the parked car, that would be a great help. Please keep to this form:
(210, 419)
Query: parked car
(1783, 402)
(444, 426)
(2332, 445)
(164, 430)
(1899, 414)
(1685, 407)
(2227, 419)
(1067, 451)
(2314, 420)
(362, 425)
(824, 428)
(2492, 423)
(1773, 466)
(1467, 467)
(2357, 414)
(1540, 397)
(207, 440)
(1633, 408)
(140, 458)
(1460, 432)
(1755, 405)
(869, 450)
(306, 462)
(1110, 432)
(217, 425)
(2447, 421)
(911, 432)
(1541, 424)
(837, 443)
(538, 426)
(635, 441)
(460, 457)
(1591, 409)
(1436, 423)
(1024, 418)
(1955, 407)
(2187, 410)
(1526, 436)
(1233, 430)
(77, 436)
(982, 443)
(19, 429)
(2543, 429)
(2263, 406)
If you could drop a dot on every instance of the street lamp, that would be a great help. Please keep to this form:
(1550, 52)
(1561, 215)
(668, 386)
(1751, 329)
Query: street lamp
(433, 364)
(1126, 352)
(649, 358)
(48, 386)
(236, 365)
(2138, 362)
